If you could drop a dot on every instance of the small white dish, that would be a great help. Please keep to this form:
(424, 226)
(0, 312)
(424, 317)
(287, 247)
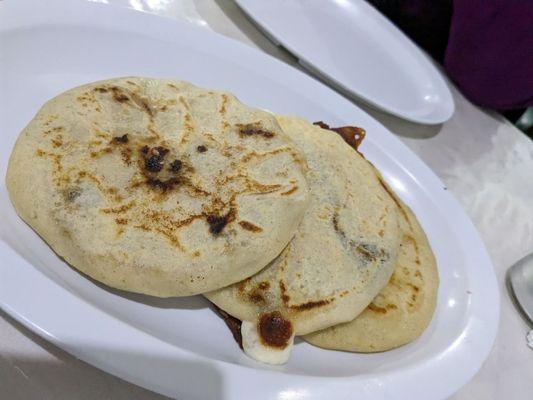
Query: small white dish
(352, 45)
(179, 347)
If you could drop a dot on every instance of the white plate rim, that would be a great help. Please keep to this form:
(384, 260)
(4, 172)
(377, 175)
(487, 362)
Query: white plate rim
(447, 105)
(112, 331)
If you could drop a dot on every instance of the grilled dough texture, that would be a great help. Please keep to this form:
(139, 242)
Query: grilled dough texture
(157, 186)
(343, 252)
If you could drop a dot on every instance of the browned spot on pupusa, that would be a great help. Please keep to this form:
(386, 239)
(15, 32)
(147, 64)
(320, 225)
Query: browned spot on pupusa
(57, 141)
(201, 149)
(175, 166)
(153, 161)
(352, 135)
(120, 209)
(153, 158)
(105, 150)
(303, 306)
(381, 310)
(257, 294)
(254, 130)
(256, 297)
(274, 330)
(284, 296)
(250, 227)
(119, 95)
(370, 252)
(144, 105)
(377, 309)
(336, 226)
(222, 109)
(218, 222)
(120, 139)
(241, 286)
(311, 304)
(414, 287)
(290, 191)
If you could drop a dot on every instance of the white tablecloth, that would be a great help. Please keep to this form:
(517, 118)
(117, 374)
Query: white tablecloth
(485, 162)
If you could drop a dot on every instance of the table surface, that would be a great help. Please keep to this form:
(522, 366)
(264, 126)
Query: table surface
(485, 162)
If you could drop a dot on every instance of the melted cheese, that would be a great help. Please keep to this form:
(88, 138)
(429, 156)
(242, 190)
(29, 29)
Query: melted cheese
(254, 347)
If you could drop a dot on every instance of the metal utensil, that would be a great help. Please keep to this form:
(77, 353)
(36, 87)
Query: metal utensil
(520, 277)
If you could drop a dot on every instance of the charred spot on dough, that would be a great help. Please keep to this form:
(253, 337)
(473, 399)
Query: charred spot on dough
(120, 139)
(254, 130)
(311, 304)
(415, 288)
(121, 221)
(163, 185)
(335, 222)
(175, 166)
(145, 106)
(222, 109)
(126, 153)
(100, 90)
(377, 309)
(256, 297)
(57, 141)
(241, 286)
(217, 223)
(201, 149)
(370, 252)
(120, 209)
(152, 161)
(290, 191)
(250, 227)
(284, 296)
(154, 158)
(274, 330)
(119, 95)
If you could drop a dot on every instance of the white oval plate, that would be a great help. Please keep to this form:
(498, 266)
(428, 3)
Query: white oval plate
(356, 48)
(179, 347)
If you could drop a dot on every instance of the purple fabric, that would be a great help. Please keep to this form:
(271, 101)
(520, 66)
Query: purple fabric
(490, 52)
(486, 46)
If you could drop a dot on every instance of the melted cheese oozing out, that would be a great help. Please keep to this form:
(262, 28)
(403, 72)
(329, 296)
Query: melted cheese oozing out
(254, 347)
